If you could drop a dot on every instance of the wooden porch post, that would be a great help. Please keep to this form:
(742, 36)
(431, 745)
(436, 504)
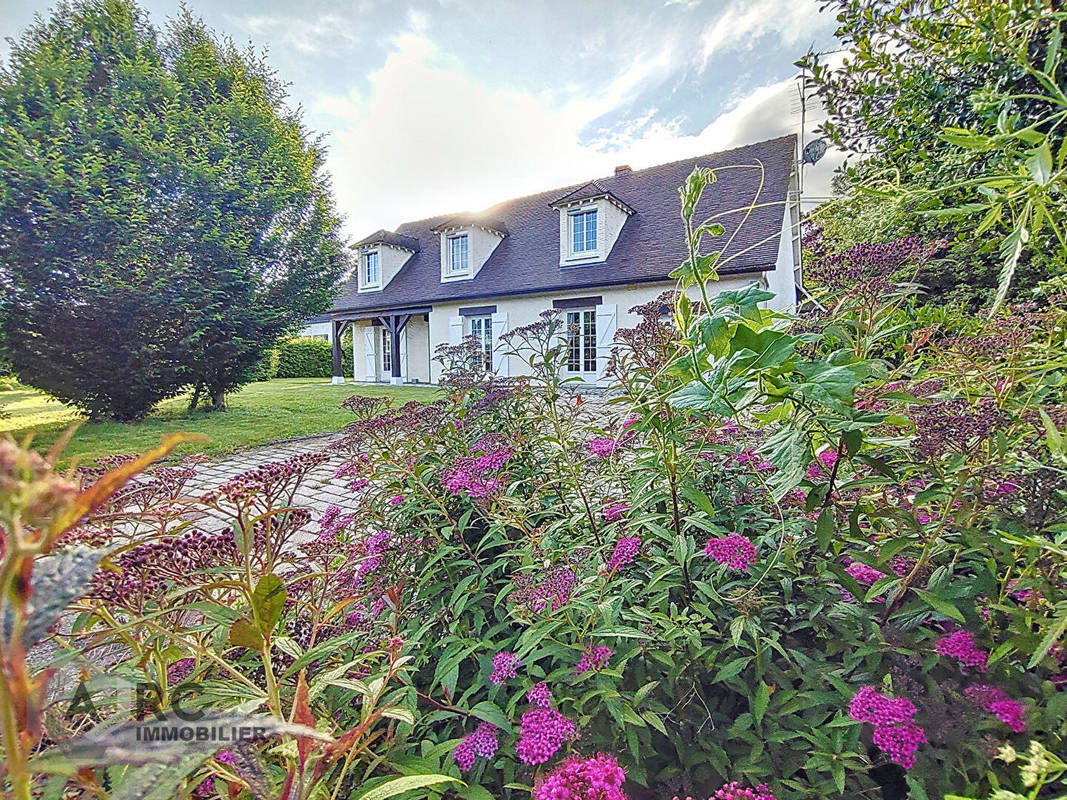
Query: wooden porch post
(338, 329)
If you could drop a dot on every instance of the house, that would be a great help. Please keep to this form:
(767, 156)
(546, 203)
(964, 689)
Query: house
(591, 250)
(319, 327)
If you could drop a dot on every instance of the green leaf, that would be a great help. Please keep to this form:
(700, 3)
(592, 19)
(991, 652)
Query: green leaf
(732, 668)
(1011, 248)
(57, 581)
(940, 605)
(760, 701)
(1050, 638)
(244, 634)
(491, 712)
(1039, 164)
(407, 783)
(824, 528)
(268, 600)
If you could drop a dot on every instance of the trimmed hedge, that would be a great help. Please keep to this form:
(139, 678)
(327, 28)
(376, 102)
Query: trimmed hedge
(266, 368)
(305, 357)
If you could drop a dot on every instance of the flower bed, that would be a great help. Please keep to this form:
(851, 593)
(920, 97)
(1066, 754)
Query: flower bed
(792, 559)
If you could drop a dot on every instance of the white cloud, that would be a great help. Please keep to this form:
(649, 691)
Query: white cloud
(304, 34)
(743, 21)
(425, 139)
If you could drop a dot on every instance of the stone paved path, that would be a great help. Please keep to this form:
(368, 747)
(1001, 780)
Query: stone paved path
(318, 490)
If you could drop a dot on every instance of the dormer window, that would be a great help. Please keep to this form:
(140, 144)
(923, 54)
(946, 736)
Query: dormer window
(590, 220)
(372, 271)
(583, 231)
(459, 254)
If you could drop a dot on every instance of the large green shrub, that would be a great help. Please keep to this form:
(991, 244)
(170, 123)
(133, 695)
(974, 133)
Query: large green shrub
(164, 215)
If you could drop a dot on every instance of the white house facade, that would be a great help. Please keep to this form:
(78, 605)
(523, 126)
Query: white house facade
(592, 251)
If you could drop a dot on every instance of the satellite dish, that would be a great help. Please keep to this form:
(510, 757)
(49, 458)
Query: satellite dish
(813, 151)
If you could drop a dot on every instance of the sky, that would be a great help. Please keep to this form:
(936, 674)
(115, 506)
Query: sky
(442, 106)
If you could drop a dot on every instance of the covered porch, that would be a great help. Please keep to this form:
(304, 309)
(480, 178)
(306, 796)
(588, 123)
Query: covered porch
(387, 346)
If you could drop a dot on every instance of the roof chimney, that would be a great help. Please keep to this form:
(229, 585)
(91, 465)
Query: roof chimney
(623, 169)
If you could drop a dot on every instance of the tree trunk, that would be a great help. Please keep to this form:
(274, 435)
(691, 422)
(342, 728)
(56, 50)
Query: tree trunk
(218, 400)
(196, 396)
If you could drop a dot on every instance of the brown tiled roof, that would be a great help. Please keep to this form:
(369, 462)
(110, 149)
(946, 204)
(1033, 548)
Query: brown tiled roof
(650, 245)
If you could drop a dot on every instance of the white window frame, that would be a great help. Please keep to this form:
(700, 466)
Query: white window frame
(586, 341)
(365, 284)
(450, 268)
(572, 217)
(481, 328)
(387, 352)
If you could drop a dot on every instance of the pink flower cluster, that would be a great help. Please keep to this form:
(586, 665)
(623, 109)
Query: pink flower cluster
(734, 791)
(504, 665)
(540, 695)
(749, 456)
(626, 549)
(598, 777)
(542, 732)
(478, 475)
(864, 575)
(555, 590)
(603, 447)
(960, 646)
(823, 464)
(996, 701)
(613, 511)
(593, 660)
(735, 551)
(895, 734)
(483, 742)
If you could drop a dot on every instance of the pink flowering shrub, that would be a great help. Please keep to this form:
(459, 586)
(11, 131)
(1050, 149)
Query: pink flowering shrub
(597, 777)
(527, 573)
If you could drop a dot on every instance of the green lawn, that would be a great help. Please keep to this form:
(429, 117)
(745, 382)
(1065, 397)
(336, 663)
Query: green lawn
(261, 412)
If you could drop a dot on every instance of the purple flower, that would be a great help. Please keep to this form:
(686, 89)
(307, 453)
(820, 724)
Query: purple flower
(626, 549)
(602, 448)
(483, 742)
(996, 701)
(614, 511)
(180, 670)
(542, 731)
(396, 499)
(960, 645)
(540, 695)
(593, 660)
(504, 665)
(823, 464)
(864, 575)
(735, 551)
(895, 734)
(598, 777)
(734, 791)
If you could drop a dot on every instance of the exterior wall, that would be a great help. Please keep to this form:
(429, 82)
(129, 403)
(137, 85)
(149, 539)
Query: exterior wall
(524, 310)
(319, 329)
